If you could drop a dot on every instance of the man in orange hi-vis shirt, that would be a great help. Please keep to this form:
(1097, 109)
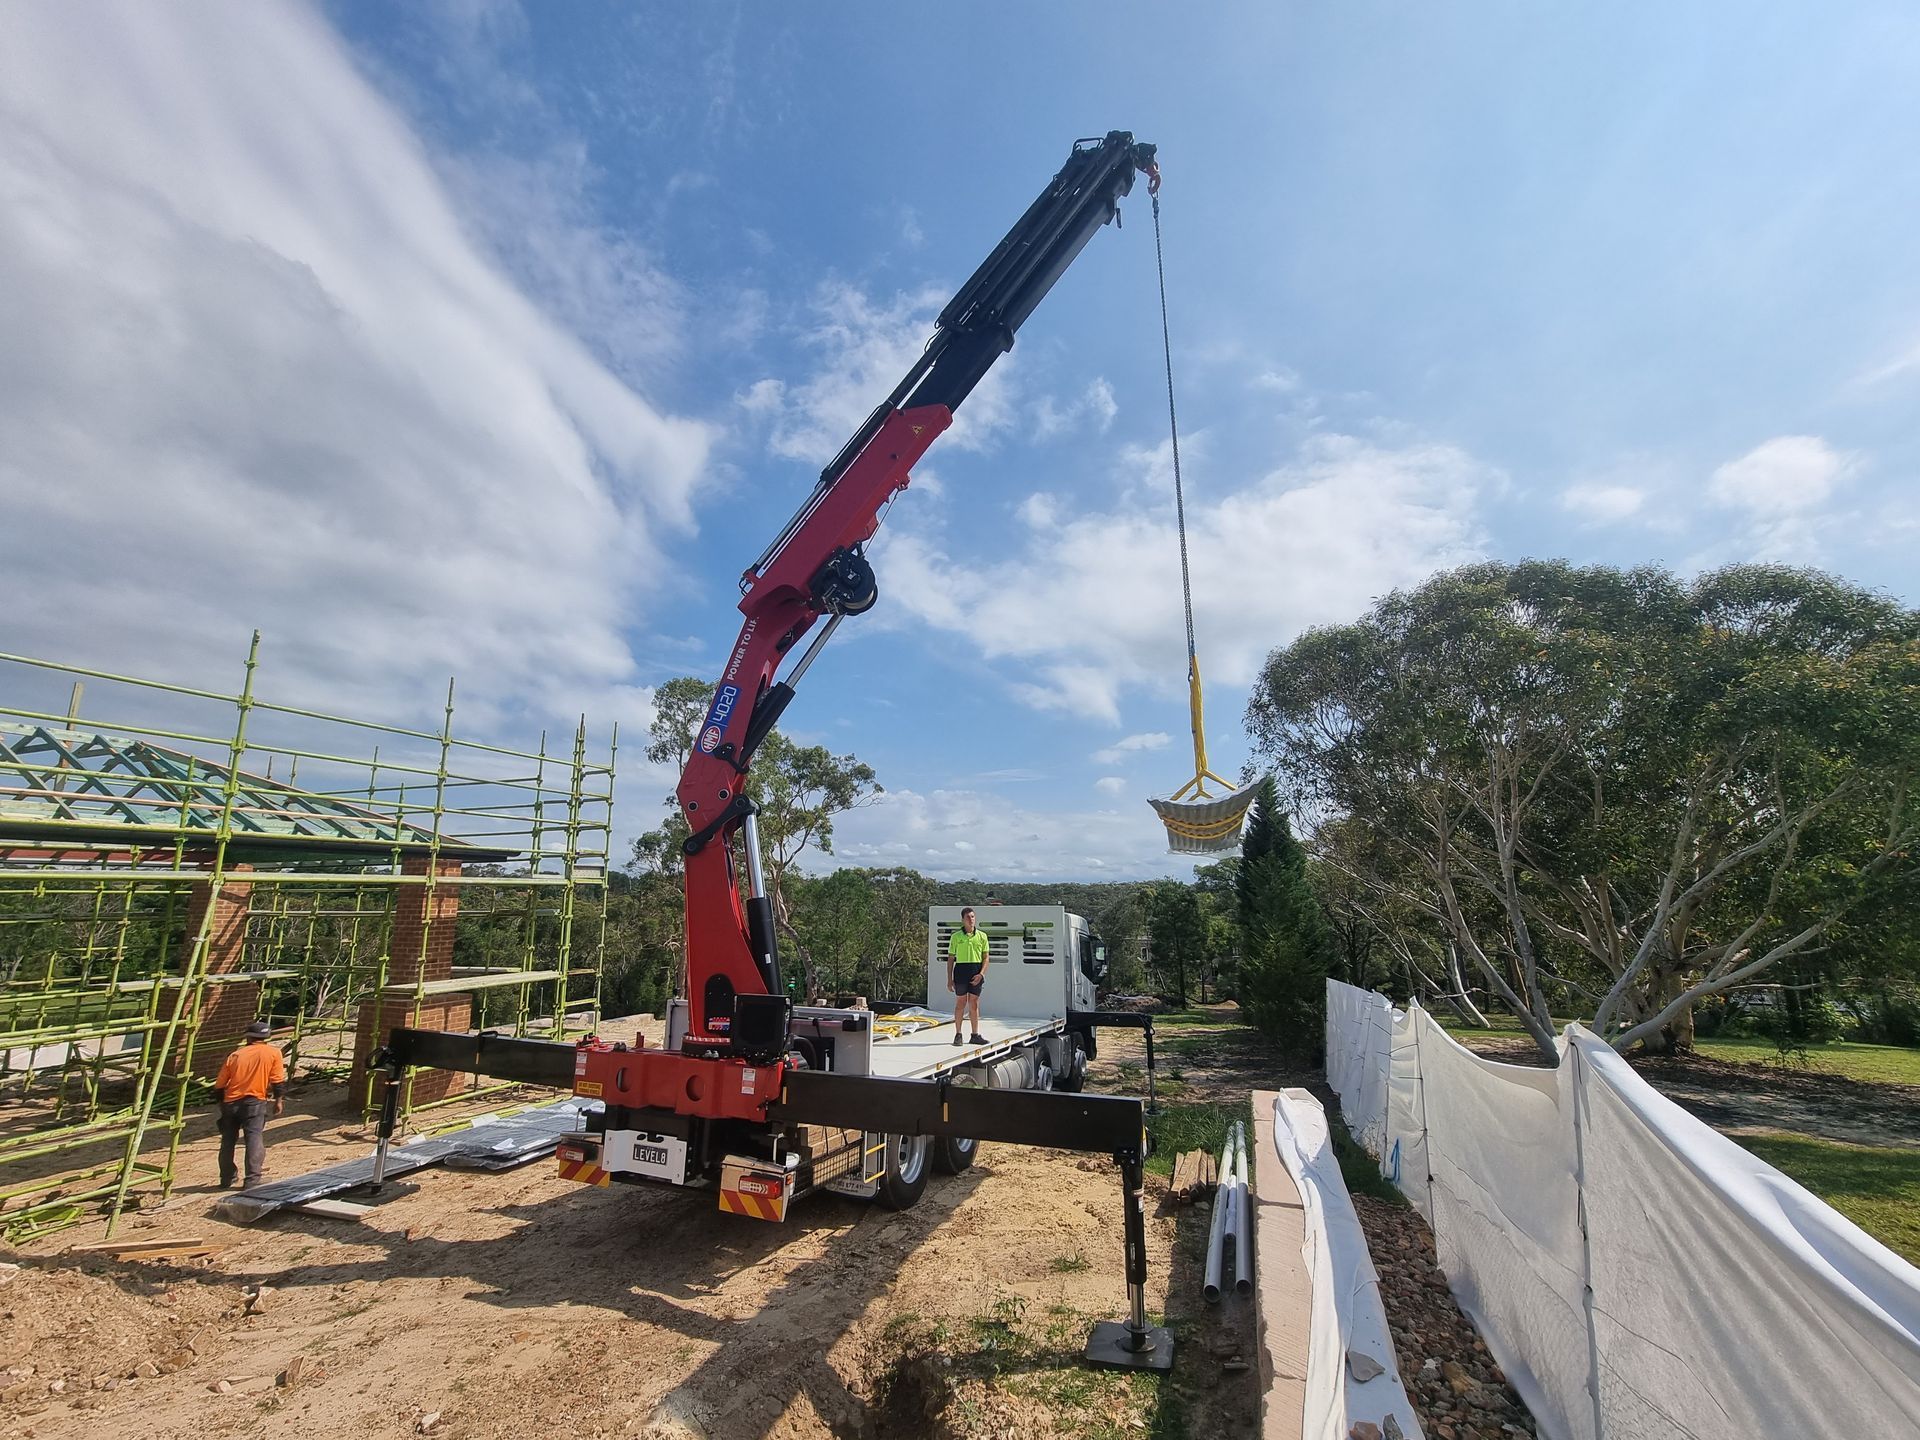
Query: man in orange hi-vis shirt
(249, 1085)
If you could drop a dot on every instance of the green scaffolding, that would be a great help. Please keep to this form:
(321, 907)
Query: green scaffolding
(120, 834)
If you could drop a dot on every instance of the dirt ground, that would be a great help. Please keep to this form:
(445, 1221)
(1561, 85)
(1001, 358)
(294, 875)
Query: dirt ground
(476, 1305)
(1761, 1098)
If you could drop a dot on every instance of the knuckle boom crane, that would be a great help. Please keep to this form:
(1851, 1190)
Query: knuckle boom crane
(764, 1101)
(816, 567)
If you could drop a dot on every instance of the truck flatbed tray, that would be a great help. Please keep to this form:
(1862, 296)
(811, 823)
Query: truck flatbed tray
(922, 1054)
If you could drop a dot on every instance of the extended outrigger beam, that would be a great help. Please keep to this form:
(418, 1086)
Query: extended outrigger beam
(1101, 1124)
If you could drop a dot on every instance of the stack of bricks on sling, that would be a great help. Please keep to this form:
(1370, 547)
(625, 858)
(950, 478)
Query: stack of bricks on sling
(419, 912)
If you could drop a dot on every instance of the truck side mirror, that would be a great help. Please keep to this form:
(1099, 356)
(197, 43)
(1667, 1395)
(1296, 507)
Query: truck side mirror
(1093, 960)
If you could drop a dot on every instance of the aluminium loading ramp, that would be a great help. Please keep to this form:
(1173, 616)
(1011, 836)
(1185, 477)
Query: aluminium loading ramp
(489, 1144)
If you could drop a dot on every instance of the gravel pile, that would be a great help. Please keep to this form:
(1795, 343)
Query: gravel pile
(1456, 1389)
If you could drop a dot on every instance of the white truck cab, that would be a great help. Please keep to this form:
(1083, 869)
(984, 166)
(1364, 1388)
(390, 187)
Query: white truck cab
(1042, 960)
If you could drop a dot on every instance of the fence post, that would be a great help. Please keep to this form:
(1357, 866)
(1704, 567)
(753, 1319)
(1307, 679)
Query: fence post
(1586, 1241)
(1414, 1012)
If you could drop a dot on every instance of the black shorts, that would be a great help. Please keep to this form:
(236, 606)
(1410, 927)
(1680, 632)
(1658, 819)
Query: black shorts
(966, 979)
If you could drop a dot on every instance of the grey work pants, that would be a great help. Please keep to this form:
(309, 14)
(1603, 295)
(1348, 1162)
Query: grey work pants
(248, 1117)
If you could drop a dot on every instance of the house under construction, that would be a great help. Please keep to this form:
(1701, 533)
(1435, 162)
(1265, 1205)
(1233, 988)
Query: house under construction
(176, 862)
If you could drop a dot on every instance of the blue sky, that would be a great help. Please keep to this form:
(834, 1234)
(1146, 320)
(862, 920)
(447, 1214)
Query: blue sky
(494, 340)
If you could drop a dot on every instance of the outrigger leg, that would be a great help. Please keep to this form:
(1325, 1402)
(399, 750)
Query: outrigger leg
(1132, 1344)
(385, 1063)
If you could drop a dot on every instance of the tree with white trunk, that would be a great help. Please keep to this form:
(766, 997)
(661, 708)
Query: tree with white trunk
(1607, 793)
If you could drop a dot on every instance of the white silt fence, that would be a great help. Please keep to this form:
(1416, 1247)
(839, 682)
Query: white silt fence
(1635, 1273)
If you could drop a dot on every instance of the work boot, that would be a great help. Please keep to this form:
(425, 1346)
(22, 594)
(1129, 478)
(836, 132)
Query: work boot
(979, 1039)
(956, 1038)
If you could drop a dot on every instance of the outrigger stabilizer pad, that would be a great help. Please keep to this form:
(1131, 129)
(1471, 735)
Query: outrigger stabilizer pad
(1116, 1345)
(1132, 1344)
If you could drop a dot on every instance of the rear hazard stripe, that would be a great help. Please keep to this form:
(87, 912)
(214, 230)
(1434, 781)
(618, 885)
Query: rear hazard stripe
(756, 1207)
(584, 1171)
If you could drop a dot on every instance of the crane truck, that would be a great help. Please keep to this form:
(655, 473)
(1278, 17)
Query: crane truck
(760, 1100)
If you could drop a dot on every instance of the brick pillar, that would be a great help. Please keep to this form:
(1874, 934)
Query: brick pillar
(225, 1010)
(421, 945)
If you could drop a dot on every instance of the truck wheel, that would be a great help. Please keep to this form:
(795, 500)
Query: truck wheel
(1073, 1079)
(906, 1174)
(952, 1154)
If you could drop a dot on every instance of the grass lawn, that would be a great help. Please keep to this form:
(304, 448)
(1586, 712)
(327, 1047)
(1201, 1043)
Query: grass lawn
(1877, 1189)
(1873, 1064)
(1178, 1128)
(1359, 1169)
(1175, 1019)
(1499, 1027)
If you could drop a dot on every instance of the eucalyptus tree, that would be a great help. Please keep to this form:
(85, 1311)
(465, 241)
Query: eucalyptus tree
(1611, 793)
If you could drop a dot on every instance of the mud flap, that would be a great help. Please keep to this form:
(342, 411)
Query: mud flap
(580, 1162)
(755, 1189)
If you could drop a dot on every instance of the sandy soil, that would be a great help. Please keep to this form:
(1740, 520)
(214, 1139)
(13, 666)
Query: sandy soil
(521, 1303)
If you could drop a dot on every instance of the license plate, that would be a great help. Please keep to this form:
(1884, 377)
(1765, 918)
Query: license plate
(653, 1156)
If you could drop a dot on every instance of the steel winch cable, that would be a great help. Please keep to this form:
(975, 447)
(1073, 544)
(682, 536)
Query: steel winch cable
(1203, 823)
(1173, 429)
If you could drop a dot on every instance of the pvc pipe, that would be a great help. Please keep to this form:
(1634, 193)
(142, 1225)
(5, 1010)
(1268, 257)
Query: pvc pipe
(1216, 1280)
(1217, 1231)
(1242, 1219)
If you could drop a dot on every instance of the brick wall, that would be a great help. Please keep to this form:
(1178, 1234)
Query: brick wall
(225, 1010)
(377, 1021)
(424, 921)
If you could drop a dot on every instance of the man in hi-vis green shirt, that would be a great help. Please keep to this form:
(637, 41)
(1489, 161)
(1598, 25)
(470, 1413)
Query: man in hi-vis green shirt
(966, 974)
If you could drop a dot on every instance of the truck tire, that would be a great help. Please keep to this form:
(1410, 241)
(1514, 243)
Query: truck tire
(905, 1177)
(952, 1153)
(1072, 1079)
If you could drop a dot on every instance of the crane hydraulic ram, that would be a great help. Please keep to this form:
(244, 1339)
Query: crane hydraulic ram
(735, 1081)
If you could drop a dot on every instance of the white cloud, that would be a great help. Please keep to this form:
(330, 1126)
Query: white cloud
(1280, 380)
(1100, 404)
(763, 397)
(1132, 745)
(961, 833)
(1039, 511)
(537, 220)
(865, 346)
(910, 232)
(1096, 407)
(1783, 476)
(1111, 785)
(257, 372)
(1602, 504)
(1092, 608)
(1890, 369)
